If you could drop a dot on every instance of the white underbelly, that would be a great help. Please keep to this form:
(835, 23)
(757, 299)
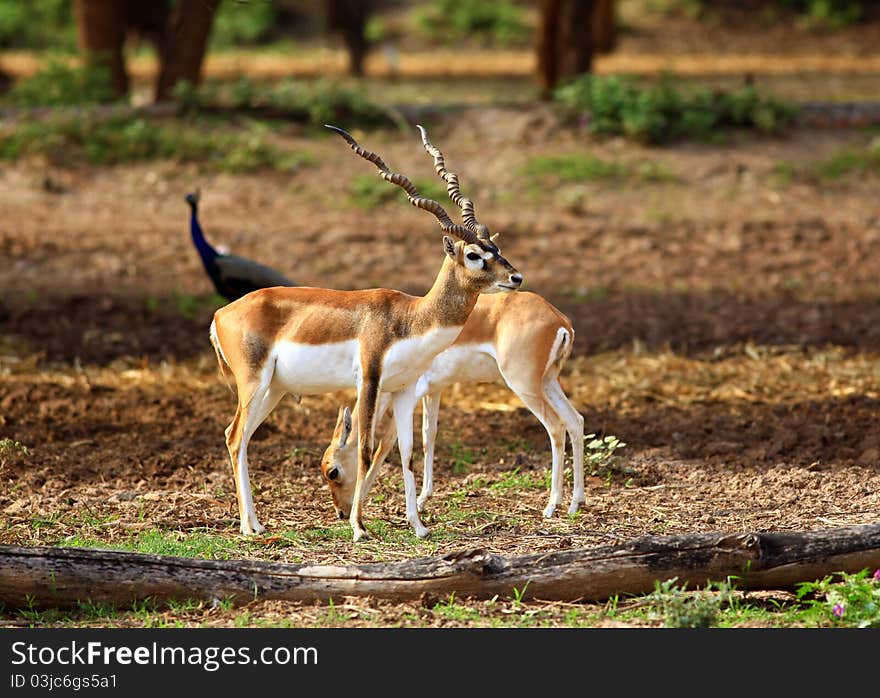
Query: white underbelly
(308, 369)
(409, 358)
(463, 363)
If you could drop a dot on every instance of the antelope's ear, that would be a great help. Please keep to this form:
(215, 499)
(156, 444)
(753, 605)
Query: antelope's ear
(449, 246)
(343, 424)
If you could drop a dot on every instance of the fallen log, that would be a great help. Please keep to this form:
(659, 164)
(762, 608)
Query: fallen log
(44, 577)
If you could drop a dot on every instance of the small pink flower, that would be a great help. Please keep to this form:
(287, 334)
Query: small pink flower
(838, 610)
(877, 575)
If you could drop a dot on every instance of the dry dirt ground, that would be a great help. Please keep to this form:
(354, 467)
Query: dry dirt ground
(727, 330)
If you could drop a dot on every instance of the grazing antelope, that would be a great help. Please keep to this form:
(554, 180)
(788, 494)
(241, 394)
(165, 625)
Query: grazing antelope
(309, 341)
(520, 338)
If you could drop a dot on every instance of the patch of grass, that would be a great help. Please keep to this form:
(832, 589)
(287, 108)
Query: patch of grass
(369, 191)
(662, 113)
(850, 162)
(580, 167)
(75, 139)
(159, 542)
(316, 103)
(517, 480)
(462, 457)
(782, 174)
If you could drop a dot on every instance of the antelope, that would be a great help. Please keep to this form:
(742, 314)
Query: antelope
(519, 338)
(310, 341)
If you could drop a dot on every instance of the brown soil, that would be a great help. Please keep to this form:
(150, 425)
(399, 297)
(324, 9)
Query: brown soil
(727, 331)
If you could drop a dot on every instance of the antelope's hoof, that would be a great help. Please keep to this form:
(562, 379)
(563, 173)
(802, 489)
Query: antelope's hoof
(359, 534)
(252, 529)
(422, 532)
(575, 507)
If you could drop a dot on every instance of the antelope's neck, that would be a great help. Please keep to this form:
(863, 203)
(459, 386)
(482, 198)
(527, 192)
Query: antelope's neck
(448, 303)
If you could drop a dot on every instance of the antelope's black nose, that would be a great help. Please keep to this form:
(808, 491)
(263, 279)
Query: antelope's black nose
(341, 515)
(516, 279)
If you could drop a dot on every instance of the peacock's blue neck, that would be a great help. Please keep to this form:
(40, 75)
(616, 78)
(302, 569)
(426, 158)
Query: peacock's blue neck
(206, 252)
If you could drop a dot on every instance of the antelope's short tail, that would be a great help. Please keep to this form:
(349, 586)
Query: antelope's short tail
(222, 364)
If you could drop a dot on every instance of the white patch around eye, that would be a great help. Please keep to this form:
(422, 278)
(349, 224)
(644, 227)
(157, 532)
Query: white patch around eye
(487, 256)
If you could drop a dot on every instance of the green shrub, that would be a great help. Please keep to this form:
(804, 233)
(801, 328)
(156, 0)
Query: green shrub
(86, 138)
(852, 600)
(36, 24)
(829, 13)
(315, 103)
(60, 84)
(661, 113)
(500, 22)
(242, 23)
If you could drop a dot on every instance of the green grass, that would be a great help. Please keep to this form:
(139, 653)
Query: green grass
(164, 542)
(517, 480)
(85, 138)
(370, 191)
(850, 162)
(580, 167)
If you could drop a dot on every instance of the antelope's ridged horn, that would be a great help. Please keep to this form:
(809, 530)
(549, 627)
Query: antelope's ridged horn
(453, 189)
(412, 193)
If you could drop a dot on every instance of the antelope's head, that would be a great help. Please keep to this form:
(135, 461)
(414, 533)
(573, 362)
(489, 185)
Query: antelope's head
(339, 464)
(479, 263)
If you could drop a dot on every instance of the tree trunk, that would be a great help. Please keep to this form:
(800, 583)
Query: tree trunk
(59, 577)
(577, 38)
(100, 28)
(604, 26)
(546, 46)
(349, 18)
(565, 41)
(186, 40)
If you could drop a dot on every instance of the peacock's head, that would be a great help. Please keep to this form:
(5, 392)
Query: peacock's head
(193, 199)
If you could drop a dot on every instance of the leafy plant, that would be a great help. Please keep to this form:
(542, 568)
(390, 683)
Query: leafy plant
(12, 450)
(500, 22)
(833, 14)
(660, 113)
(846, 599)
(601, 453)
(36, 24)
(242, 23)
(682, 609)
(60, 84)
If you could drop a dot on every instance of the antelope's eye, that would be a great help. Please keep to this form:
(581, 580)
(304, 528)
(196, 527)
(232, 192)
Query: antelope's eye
(333, 473)
(473, 256)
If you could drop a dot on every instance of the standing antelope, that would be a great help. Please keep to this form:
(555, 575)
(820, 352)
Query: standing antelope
(309, 341)
(520, 338)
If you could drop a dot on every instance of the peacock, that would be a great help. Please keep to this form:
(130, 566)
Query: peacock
(233, 276)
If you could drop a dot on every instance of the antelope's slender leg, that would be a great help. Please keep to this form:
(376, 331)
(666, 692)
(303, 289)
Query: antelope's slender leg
(248, 417)
(404, 404)
(574, 424)
(368, 398)
(385, 419)
(430, 412)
